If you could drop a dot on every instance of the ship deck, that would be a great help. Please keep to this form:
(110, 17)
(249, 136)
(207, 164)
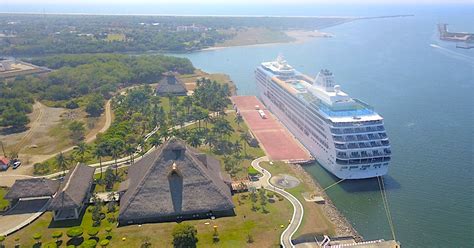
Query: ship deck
(274, 138)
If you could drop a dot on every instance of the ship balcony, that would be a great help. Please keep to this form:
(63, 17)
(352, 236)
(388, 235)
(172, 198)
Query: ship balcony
(361, 130)
(362, 160)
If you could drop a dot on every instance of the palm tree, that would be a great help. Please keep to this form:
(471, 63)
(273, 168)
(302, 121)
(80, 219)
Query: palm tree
(237, 147)
(80, 150)
(238, 119)
(155, 140)
(164, 132)
(244, 137)
(194, 140)
(130, 149)
(210, 140)
(62, 162)
(116, 149)
(99, 152)
(187, 103)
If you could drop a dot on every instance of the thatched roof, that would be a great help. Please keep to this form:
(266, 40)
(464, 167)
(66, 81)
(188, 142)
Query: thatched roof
(174, 180)
(74, 188)
(169, 84)
(32, 187)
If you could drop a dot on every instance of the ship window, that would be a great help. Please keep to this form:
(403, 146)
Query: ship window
(353, 167)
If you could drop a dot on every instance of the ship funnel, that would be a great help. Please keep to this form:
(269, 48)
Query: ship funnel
(325, 80)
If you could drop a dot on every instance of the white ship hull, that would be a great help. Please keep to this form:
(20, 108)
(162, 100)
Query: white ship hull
(317, 152)
(365, 155)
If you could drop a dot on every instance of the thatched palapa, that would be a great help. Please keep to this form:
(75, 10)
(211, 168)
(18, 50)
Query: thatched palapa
(32, 187)
(173, 183)
(73, 193)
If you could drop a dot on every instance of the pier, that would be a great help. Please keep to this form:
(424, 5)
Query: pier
(274, 138)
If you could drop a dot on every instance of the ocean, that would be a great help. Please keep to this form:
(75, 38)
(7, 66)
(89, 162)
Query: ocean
(421, 86)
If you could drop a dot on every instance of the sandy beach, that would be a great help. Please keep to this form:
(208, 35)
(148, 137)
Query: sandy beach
(296, 36)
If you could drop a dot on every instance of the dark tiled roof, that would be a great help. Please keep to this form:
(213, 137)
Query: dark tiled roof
(74, 188)
(174, 180)
(170, 84)
(32, 187)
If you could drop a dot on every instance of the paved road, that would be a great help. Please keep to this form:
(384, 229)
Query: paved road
(298, 210)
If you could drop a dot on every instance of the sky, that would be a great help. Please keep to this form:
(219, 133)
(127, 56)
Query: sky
(157, 2)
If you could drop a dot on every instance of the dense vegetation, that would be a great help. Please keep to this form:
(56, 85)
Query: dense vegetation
(54, 34)
(81, 80)
(139, 111)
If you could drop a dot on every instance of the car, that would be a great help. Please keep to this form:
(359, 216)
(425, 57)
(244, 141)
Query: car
(16, 164)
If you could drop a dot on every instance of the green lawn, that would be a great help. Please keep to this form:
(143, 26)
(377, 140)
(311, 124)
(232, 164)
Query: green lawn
(4, 204)
(314, 220)
(264, 228)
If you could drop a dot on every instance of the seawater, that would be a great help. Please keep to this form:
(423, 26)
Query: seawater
(423, 88)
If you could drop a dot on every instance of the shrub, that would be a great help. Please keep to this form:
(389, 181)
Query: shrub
(75, 232)
(50, 245)
(252, 171)
(57, 235)
(72, 105)
(249, 238)
(104, 243)
(90, 243)
(184, 235)
(37, 237)
(93, 232)
(109, 231)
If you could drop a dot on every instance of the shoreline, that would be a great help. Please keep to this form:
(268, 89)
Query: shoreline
(297, 36)
(341, 225)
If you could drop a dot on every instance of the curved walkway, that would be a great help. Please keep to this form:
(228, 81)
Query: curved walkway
(22, 214)
(298, 210)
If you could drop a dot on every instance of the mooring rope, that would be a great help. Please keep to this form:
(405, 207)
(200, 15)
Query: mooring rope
(386, 206)
(333, 184)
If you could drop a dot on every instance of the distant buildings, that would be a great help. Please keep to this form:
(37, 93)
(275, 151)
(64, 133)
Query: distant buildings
(170, 85)
(174, 183)
(191, 28)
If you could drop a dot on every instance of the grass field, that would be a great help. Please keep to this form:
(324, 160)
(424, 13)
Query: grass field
(233, 231)
(3, 203)
(314, 220)
(116, 37)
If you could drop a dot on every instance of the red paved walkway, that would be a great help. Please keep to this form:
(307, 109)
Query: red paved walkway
(277, 142)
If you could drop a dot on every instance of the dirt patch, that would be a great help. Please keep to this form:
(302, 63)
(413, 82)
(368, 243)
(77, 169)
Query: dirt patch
(42, 120)
(189, 80)
(48, 134)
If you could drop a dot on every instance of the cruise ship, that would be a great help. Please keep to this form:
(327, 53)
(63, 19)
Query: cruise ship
(345, 135)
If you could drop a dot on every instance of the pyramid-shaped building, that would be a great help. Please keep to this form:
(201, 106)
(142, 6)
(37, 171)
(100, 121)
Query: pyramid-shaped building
(173, 183)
